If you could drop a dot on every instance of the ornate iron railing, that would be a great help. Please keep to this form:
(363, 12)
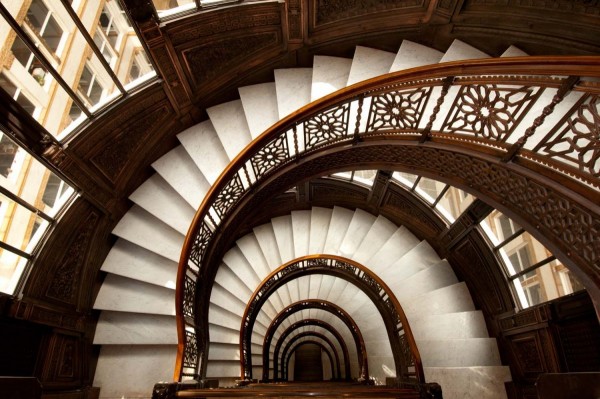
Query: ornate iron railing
(538, 112)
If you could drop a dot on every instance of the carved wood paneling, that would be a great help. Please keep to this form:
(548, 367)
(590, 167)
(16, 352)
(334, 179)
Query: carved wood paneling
(328, 11)
(477, 266)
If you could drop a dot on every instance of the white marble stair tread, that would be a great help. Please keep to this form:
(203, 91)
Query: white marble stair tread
(293, 89)
(204, 146)
(234, 258)
(180, 171)
(396, 246)
(119, 365)
(513, 51)
(483, 382)
(221, 351)
(145, 230)
(260, 107)
(127, 295)
(319, 224)
(282, 227)
(437, 276)
(229, 121)
(418, 258)
(457, 325)
(450, 299)
(339, 285)
(119, 328)
(251, 250)
(326, 286)
(358, 228)
(223, 368)
(412, 55)
(379, 233)
(223, 317)
(224, 334)
(301, 232)
(329, 74)
(368, 63)
(233, 283)
(460, 50)
(340, 220)
(130, 260)
(459, 352)
(221, 297)
(268, 244)
(158, 198)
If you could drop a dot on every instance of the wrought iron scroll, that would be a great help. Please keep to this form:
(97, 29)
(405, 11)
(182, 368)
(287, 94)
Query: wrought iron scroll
(488, 112)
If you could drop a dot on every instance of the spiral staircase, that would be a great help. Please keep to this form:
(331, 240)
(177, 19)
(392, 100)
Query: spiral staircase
(137, 330)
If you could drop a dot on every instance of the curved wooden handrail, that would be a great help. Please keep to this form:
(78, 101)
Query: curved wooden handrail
(537, 71)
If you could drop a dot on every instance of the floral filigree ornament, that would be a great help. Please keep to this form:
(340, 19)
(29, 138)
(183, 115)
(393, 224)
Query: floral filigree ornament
(327, 126)
(270, 156)
(397, 110)
(228, 196)
(487, 110)
(576, 141)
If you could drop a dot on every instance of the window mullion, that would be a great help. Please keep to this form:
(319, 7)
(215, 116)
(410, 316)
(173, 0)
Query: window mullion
(532, 267)
(93, 45)
(510, 238)
(25, 204)
(31, 45)
(14, 250)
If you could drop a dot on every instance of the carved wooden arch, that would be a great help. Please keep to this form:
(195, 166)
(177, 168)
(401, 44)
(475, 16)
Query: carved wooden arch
(323, 305)
(404, 349)
(337, 371)
(308, 341)
(305, 323)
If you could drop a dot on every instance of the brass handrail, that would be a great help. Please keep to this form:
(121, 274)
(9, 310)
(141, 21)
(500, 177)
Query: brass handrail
(245, 172)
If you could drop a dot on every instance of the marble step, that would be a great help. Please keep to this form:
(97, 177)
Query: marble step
(340, 221)
(483, 382)
(319, 225)
(180, 171)
(513, 51)
(229, 121)
(260, 107)
(458, 325)
(436, 276)
(412, 55)
(377, 236)
(467, 352)
(460, 50)
(368, 63)
(395, 248)
(329, 74)
(119, 365)
(450, 299)
(147, 231)
(225, 335)
(301, 232)
(158, 198)
(204, 146)
(130, 260)
(418, 258)
(282, 228)
(265, 235)
(293, 89)
(120, 328)
(358, 228)
(126, 295)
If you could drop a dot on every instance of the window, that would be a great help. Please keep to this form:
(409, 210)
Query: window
(534, 273)
(89, 86)
(44, 25)
(30, 198)
(17, 94)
